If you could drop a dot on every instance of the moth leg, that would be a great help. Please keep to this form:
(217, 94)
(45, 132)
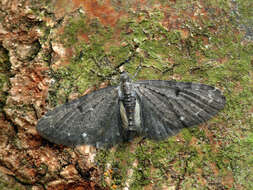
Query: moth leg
(142, 140)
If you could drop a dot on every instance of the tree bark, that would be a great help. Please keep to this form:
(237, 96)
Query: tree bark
(53, 51)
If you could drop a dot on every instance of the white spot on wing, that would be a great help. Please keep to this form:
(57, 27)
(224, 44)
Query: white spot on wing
(181, 118)
(68, 134)
(197, 113)
(195, 86)
(211, 98)
(84, 135)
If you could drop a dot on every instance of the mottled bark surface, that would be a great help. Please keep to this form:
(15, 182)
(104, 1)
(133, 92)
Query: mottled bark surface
(55, 51)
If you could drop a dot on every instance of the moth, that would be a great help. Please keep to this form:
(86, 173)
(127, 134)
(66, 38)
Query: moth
(155, 109)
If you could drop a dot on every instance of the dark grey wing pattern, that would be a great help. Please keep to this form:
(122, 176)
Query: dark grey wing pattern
(92, 119)
(169, 106)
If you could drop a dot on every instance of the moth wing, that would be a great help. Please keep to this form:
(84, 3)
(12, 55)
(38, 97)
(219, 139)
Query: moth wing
(93, 119)
(169, 106)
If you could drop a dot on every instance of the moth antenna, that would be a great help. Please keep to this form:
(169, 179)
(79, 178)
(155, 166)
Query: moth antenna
(137, 70)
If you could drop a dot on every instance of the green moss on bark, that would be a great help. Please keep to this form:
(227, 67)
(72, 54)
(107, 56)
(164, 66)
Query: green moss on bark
(210, 50)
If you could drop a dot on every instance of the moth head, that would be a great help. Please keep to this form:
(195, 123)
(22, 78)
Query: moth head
(124, 77)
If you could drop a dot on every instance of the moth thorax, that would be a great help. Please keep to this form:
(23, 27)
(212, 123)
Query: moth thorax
(128, 106)
(126, 88)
